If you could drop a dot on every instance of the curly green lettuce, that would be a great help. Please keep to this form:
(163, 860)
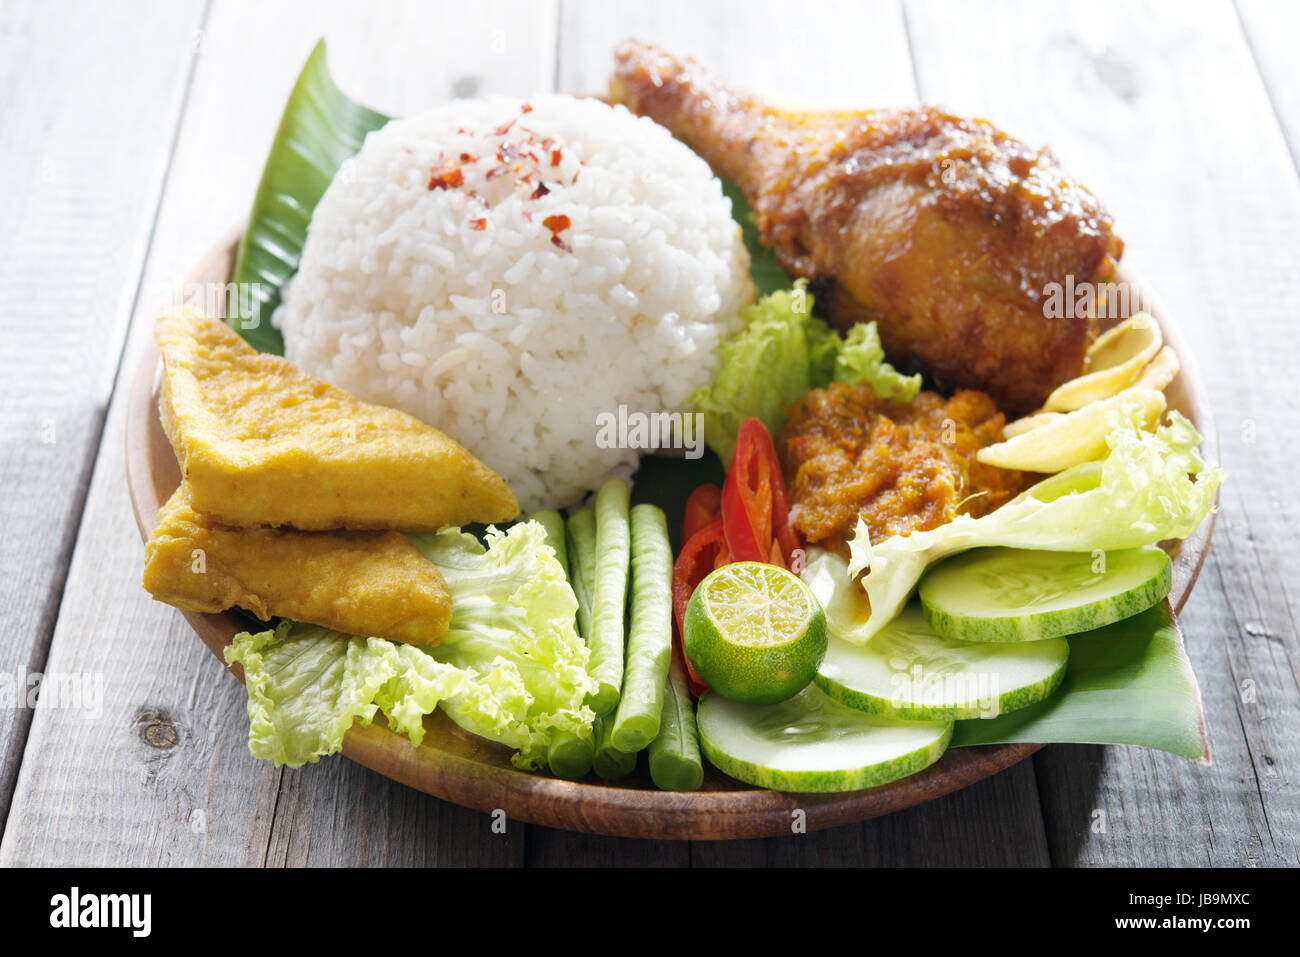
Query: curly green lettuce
(510, 668)
(1150, 487)
(782, 353)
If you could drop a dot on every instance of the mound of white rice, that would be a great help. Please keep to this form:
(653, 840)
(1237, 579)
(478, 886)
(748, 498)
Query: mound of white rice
(509, 271)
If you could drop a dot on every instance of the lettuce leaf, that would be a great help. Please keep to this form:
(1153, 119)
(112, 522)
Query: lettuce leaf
(782, 353)
(861, 358)
(1151, 486)
(511, 668)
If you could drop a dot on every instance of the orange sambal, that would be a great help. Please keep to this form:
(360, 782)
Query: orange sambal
(900, 467)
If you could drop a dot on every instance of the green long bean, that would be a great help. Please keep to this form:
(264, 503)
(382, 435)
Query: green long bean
(675, 763)
(609, 761)
(609, 596)
(553, 522)
(650, 635)
(568, 755)
(581, 529)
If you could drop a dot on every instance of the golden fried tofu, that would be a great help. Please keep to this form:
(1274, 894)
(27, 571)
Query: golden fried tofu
(362, 583)
(262, 443)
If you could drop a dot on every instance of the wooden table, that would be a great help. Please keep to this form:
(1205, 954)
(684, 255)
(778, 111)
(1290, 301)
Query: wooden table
(131, 139)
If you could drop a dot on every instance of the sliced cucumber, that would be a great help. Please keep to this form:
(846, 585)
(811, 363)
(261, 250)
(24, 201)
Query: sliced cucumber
(906, 671)
(1010, 594)
(811, 743)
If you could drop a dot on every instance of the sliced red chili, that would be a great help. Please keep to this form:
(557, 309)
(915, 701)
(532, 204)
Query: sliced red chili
(704, 507)
(747, 497)
(704, 551)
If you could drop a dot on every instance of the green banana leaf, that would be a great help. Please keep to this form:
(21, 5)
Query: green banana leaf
(1127, 683)
(320, 128)
(766, 272)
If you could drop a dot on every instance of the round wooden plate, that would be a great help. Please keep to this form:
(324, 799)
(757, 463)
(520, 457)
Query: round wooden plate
(476, 773)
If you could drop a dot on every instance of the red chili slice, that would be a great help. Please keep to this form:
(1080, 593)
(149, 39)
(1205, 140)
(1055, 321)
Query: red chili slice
(704, 551)
(755, 507)
(747, 497)
(704, 507)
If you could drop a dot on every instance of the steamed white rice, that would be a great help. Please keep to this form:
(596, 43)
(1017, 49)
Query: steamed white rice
(457, 303)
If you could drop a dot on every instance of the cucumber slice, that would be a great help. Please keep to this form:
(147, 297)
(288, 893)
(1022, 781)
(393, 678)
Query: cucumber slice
(908, 672)
(1011, 594)
(811, 743)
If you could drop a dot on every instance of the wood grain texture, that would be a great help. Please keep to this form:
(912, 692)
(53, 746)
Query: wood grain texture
(1182, 144)
(83, 181)
(1272, 27)
(162, 775)
(992, 823)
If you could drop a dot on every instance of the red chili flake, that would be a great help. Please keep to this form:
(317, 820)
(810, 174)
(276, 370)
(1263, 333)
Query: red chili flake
(446, 176)
(528, 216)
(556, 156)
(501, 170)
(468, 158)
(557, 224)
(478, 224)
(461, 130)
(504, 128)
(527, 108)
(540, 191)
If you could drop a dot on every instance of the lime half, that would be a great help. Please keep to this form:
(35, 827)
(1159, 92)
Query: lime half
(754, 632)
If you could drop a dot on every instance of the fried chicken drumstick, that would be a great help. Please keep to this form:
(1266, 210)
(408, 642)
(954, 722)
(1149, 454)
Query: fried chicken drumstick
(944, 230)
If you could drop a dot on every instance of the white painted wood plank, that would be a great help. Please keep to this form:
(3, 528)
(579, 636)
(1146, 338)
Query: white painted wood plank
(1273, 30)
(163, 775)
(86, 130)
(850, 54)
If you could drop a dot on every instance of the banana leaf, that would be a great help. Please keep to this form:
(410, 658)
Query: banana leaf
(766, 272)
(1127, 683)
(320, 128)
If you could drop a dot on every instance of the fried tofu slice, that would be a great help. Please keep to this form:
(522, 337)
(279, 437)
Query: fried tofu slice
(362, 583)
(262, 443)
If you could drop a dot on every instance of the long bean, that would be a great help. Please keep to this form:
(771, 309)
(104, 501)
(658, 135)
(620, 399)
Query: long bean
(609, 761)
(581, 530)
(650, 635)
(609, 596)
(675, 763)
(570, 755)
(553, 522)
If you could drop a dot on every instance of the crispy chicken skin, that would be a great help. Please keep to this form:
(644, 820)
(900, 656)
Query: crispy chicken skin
(944, 230)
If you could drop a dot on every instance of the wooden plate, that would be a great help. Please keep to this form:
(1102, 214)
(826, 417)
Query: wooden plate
(471, 771)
